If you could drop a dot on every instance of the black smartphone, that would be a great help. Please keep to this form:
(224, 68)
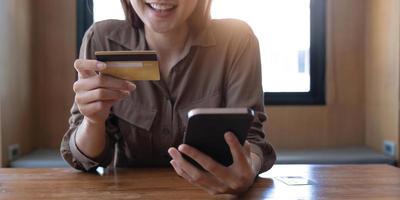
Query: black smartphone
(207, 126)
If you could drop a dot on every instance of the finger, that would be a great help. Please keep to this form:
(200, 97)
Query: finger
(195, 174)
(96, 107)
(206, 162)
(211, 188)
(87, 68)
(220, 172)
(197, 177)
(179, 171)
(236, 148)
(247, 148)
(100, 81)
(186, 166)
(242, 165)
(99, 95)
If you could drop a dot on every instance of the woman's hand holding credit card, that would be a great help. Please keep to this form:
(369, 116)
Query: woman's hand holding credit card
(95, 93)
(104, 81)
(101, 83)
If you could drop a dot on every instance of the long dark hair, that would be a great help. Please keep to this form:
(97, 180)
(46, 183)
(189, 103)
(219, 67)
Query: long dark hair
(197, 21)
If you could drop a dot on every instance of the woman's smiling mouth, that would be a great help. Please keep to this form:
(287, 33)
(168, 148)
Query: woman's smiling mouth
(161, 7)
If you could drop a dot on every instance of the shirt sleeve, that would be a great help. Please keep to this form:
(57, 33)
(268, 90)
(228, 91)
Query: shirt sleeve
(244, 89)
(69, 150)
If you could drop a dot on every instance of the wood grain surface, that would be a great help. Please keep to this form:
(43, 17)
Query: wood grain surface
(328, 182)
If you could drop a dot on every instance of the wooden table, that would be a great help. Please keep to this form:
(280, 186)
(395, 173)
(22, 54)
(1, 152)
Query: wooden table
(327, 182)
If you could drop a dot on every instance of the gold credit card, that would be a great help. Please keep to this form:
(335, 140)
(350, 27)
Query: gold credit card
(130, 65)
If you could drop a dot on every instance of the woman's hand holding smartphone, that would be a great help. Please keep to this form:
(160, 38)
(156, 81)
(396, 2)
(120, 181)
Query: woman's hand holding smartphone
(216, 178)
(215, 155)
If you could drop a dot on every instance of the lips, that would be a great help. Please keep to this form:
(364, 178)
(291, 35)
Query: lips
(161, 6)
(161, 10)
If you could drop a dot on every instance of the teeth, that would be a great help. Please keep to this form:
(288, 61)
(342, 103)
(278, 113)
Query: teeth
(158, 6)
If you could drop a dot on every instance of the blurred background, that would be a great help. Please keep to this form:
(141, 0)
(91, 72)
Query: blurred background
(330, 75)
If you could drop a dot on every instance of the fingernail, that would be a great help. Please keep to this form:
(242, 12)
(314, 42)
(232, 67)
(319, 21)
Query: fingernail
(101, 65)
(228, 136)
(170, 151)
(181, 147)
(172, 154)
(131, 86)
(126, 93)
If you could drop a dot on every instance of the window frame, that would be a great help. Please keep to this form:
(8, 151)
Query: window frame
(316, 95)
(84, 19)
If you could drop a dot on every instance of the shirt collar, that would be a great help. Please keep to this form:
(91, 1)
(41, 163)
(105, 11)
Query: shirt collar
(134, 39)
(204, 38)
(128, 37)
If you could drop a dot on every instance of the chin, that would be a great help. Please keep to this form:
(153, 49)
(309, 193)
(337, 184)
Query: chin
(161, 28)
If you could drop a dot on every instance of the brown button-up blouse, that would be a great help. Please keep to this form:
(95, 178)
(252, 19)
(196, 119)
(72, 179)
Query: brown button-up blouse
(221, 69)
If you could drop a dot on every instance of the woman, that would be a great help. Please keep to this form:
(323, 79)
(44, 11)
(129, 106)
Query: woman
(203, 63)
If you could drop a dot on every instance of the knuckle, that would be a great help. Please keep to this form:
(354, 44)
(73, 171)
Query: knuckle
(99, 106)
(83, 111)
(249, 174)
(95, 109)
(236, 185)
(179, 172)
(198, 178)
(195, 179)
(100, 93)
(210, 166)
(78, 99)
(76, 86)
(124, 85)
(102, 106)
(76, 63)
(243, 178)
(191, 181)
(89, 113)
(222, 190)
(99, 81)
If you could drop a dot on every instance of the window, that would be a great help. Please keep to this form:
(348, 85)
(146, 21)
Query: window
(292, 43)
(84, 19)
